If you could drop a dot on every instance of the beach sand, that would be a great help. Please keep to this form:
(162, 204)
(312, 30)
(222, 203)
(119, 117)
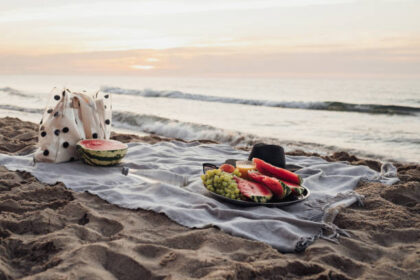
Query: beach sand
(50, 232)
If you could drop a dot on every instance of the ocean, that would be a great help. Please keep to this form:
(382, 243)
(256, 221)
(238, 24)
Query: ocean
(369, 118)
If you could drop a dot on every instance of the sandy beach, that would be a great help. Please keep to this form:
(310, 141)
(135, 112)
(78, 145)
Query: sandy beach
(51, 232)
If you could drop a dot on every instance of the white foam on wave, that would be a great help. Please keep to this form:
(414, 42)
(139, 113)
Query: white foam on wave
(208, 98)
(191, 131)
(182, 130)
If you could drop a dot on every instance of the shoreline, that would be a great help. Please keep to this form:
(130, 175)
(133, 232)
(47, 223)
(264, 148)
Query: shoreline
(245, 140)
(50, 232)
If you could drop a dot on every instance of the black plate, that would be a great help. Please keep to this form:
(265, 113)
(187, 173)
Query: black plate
(289, 200)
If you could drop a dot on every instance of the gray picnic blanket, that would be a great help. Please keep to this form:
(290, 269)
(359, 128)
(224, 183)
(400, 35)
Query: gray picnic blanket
(165, 178)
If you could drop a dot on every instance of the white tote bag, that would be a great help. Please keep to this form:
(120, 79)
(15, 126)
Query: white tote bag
(68, 118)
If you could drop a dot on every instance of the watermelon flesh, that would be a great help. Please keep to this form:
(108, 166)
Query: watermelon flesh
(254, 191)
(277, 172)
(256, 176)
(102, 145)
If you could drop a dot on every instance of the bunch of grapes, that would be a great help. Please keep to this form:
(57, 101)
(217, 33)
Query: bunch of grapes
(222, 183)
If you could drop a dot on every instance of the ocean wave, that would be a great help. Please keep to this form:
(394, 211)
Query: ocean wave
(412, 100)
(21, 109)
(322, 105)
(180, 130)
(170, 128)
(14, 92)
(163, 127)
(192, 131)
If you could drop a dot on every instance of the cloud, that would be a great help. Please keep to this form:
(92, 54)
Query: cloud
(50, 10)
(143, 67)
(152, 59)
(378, 62)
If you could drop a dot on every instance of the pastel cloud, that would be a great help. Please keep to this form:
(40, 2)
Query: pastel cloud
(395, 62)
(194, 37)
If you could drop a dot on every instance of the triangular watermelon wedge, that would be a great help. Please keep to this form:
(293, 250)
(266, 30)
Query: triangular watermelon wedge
(254, 191)
(295, 189)
(277, 172)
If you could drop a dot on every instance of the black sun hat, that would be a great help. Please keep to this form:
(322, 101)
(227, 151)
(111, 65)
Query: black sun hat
(273, 154)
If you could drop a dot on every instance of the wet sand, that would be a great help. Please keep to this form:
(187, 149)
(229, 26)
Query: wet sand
(51, 232)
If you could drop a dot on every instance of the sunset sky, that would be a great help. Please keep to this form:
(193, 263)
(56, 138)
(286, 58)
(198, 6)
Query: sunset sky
(261, 38)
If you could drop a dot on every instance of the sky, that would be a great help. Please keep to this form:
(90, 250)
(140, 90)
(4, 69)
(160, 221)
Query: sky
(233, 38)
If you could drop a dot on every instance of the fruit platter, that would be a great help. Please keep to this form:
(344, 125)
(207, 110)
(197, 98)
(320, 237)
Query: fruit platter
(254, 183)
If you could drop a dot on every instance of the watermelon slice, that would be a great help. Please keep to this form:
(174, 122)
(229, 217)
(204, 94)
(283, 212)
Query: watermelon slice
(256, 176)
(273, 171)
(280, 189)
(296, 189)
(254, 191)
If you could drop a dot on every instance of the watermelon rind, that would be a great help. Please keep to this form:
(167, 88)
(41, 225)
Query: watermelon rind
(105, 155)
(260, 199)
(95, 162)
(293, 188)
(287, 190)
(86, 159)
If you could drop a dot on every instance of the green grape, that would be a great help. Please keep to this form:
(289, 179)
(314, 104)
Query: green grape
(236, 172)
(222, 183)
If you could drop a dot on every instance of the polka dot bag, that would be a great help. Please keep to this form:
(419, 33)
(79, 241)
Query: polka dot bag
(68, 118)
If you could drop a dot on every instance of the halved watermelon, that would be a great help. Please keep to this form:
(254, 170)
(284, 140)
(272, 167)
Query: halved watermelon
(280, 173)
(254, 191)
(280, 189)
(101, 152)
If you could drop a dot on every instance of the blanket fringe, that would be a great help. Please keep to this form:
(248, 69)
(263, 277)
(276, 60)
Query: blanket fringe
(330, 231)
